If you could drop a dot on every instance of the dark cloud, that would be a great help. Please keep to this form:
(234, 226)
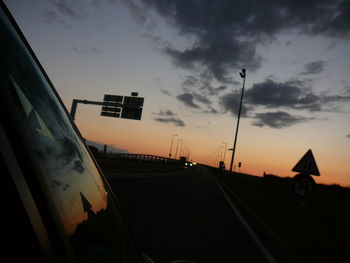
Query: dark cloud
(139, 12)
(278, 119)
(85, 50)
(347, 89)
(230, 103)
(168, 116)
(336, 98)
(176, 121)
(165, 113)
(94, 50)
(165, 92)
(71, 9)
(348, 136)
(201, 98)
(226, 32)
(273, 94)
(210, 110)
(66, 11)
(76, 49)
(290, 95)
(97, 3)
(313, 67)
(217, 55)
(197, 101)
(50, 17)
(190, 82)
(213, 91)
(187, 99)
(202, 83)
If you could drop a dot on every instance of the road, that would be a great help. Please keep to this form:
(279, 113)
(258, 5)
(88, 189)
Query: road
(186, 216)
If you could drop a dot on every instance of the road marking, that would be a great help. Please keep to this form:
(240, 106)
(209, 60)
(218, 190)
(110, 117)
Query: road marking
(250, 231)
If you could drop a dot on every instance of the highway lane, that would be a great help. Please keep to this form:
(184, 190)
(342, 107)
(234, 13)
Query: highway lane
(186, 216)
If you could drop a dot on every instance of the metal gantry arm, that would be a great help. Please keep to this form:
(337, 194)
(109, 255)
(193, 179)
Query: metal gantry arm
(75, 102)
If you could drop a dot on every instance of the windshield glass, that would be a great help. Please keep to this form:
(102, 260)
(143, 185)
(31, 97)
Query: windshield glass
(86, 209)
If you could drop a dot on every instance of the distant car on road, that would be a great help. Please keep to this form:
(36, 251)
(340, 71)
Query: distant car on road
(190, 164)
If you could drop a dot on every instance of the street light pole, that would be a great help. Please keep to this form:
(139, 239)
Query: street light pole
(218, 157)
(182, 144)
(224, 151)
(220, 153)
(171, 145)
(243, 75)
(177, 146)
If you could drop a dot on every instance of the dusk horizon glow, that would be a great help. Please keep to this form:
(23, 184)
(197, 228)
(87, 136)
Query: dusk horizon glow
(184, 58)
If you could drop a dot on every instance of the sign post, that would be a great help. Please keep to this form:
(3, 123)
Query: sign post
(303, 185)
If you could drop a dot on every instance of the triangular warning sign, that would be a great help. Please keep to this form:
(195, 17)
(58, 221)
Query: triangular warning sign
(307, 164)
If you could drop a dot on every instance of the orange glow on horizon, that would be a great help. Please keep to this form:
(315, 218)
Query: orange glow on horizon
(255, 150)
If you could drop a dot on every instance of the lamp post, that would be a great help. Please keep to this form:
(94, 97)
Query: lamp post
(177, 146)
(243, 75)
(220, 153)
(182, 144)
(171, 145)
(218, 157)
(224, 151)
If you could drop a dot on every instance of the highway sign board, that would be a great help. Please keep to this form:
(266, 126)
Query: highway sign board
(132, 113)
(112, 98)
(111, 105)
(111, 109)
(133, 102)
(303, 185)
(110, 114)
(307, 164)
(132, 107)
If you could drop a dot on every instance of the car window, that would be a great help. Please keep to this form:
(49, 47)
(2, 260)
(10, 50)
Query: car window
(89, 215)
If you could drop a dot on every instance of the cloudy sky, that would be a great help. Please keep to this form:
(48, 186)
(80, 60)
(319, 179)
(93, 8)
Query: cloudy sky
(184, 57)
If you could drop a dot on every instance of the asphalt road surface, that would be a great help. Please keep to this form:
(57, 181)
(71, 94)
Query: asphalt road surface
(186, 216)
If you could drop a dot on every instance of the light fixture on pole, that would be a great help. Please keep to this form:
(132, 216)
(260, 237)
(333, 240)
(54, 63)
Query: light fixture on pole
(243, 75)
(171, 145)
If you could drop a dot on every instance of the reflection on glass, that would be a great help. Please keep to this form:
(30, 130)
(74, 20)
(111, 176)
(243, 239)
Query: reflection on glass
(90, 219)
(69, 170)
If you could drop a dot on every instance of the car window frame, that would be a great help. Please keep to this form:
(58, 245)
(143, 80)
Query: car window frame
(26, 161)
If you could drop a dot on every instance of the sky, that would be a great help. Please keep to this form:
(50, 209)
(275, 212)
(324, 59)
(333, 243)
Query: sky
(184, 58)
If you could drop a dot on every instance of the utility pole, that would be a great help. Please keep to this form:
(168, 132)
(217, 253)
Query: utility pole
(243, 75)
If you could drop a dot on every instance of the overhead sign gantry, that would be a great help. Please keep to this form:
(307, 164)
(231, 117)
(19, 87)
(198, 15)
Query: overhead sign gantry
(116, 106)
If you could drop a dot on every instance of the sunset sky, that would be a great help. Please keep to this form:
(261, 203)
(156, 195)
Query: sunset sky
(184, 56)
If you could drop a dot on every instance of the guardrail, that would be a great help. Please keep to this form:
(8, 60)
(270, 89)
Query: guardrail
(139, 157)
